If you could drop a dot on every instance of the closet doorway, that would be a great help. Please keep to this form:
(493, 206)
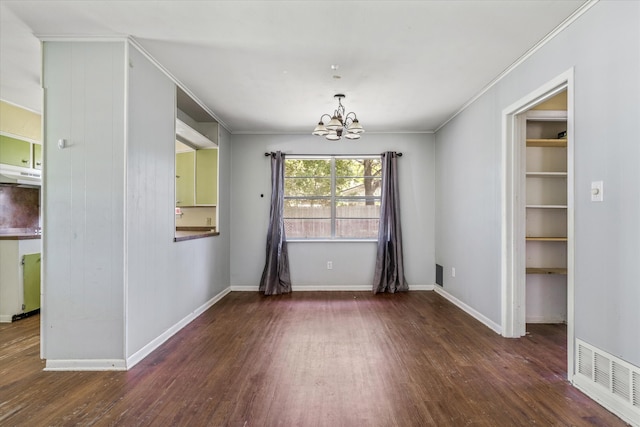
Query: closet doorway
(538, 212)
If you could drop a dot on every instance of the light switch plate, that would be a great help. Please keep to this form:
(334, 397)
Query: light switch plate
(597, 191)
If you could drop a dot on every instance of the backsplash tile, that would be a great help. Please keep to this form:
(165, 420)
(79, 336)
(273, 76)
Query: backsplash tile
(19, 207)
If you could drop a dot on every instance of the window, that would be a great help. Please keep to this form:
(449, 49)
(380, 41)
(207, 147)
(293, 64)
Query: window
(333, 197)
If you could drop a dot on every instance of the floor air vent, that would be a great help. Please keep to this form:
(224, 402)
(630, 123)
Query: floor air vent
(609, 380)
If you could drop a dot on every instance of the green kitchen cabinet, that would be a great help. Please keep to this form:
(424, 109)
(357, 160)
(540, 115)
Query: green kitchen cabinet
(31, 282)
(185, 178)
(37, 156)
(15, 152)
(207, 176)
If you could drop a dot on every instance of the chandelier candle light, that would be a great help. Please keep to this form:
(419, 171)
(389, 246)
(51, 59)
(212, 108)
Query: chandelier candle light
(339, 123)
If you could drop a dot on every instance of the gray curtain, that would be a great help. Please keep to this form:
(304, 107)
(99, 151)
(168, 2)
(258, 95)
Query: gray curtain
(275, 277)
(389, 274)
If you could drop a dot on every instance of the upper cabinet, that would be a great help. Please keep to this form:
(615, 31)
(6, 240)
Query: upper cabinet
(20, 136)
(207, 177)
(196, 154)
(15, 152)
(37, 156)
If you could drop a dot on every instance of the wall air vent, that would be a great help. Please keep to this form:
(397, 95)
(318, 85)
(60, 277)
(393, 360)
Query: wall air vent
(439, 275)
(609, 380)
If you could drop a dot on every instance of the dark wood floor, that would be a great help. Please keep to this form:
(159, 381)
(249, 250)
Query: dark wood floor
(310, 359)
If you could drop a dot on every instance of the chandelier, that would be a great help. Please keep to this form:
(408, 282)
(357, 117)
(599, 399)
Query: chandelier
(339, 123)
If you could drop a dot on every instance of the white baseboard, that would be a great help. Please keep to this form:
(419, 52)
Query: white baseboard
(469, 310)
(303, 288)
(5, 318)
(244, 288)
(545, 319)
(136, 357)
(85, 365)
(421, 287)
(612, 382)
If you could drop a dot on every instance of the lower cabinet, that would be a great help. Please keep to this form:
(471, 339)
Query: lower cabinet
(30, 282)
(19, 277)
(15, 152)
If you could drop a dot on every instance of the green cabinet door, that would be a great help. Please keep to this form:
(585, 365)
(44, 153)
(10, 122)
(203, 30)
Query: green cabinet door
(31, 282)
(15, 152)
(37, 156)
(185, 178)
(207, 176)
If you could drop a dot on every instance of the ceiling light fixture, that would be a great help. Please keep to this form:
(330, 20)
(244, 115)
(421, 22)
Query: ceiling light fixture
(339, 123)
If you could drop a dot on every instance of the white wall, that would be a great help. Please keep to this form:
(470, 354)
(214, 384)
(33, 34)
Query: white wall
(166, 280)
(353, 263)
(83, 201)
(604, 47)
(114, 280)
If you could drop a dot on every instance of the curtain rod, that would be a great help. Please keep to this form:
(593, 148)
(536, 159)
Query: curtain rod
(329, 155)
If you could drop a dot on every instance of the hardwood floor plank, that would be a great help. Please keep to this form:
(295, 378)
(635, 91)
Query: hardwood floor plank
(310, 359)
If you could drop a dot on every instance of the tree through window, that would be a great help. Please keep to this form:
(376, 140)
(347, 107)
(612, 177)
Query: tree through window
(333, 197)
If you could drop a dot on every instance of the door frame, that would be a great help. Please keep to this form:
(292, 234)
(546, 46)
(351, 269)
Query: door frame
(513, 210)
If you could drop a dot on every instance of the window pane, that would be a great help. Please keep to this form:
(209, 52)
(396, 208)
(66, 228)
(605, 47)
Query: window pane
(358, 186)
(357, 228)
(307, 228)
(358, 167)
(304, 167)
(298, 186)
(307, 208)
(358, 208)
(351, 184)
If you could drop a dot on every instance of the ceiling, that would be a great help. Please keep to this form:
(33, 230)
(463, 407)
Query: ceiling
(265, 66)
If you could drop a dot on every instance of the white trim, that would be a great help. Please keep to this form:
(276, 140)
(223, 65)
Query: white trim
(132, 41)
(20, 106)
(469, 310)
(513, 257)
(125, 192)
(328, 288)
(20, 137)
(607, 400)
(546, 319)
(546, 39)
(85, 365)
(5, 318)
(157, 342)
(186, 90)
(389, 132)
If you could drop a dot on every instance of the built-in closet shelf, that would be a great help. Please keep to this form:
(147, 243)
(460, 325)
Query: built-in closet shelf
(546, 239)
(547, 174)
(548, 270)
(546, 206)
(540, 142)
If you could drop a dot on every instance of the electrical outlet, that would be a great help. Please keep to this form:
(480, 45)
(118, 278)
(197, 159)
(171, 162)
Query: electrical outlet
(329, 265)
(453, 272)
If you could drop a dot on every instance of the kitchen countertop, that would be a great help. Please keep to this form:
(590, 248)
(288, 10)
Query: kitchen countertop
(19, 234)
(190, 233)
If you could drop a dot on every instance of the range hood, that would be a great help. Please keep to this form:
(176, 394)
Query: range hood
(20, 175)
(188, 135)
